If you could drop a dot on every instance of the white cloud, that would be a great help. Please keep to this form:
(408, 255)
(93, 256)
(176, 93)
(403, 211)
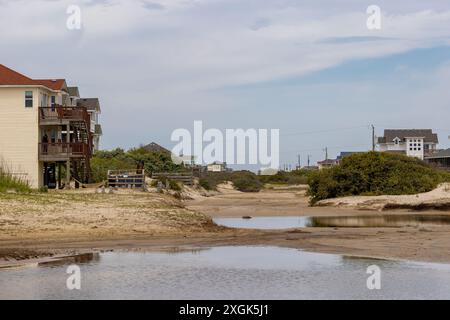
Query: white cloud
(161, 54)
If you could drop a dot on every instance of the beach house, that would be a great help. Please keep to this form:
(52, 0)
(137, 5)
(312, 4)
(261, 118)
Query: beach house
(46, 133)
(417, 143)
(217, 166)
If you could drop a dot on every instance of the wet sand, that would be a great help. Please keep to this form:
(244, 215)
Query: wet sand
(430, 244)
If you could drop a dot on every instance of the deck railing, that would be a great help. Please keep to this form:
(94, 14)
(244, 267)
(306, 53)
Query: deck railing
(64, 150)
(58, 112)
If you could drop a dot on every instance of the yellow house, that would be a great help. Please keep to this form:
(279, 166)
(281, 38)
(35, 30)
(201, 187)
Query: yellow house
(44, 138)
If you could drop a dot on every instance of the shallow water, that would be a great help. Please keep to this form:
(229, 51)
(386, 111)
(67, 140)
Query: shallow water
(365, 221)
(380, 221)
(229, 273)
(264, 222)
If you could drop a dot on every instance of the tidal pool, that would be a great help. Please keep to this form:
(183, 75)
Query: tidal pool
(228, 273)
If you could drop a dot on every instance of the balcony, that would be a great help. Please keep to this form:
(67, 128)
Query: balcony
(62, 151)
(63, 115)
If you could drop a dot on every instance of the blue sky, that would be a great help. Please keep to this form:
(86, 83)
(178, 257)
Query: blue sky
(304, 67)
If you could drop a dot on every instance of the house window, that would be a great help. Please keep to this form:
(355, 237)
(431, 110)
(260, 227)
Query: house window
(53, 101)
(28, 99)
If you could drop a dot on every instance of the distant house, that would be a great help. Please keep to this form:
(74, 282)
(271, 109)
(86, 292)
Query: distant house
(328, 163)
(154, 147)
(440, 159)
(217, 167)
(411, 142)
(310, 168)
(74, 95)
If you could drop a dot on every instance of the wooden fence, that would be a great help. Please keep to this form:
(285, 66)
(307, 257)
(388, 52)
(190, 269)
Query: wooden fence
(126, 178)
(185, 178)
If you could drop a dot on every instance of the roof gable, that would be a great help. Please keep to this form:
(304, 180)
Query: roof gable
(154, 147)
(91, 104)
(54, 84)
(427, 134)
(9, 77)
(73, 91)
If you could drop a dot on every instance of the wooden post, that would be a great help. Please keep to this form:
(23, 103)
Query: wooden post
(68, 161)
(59, 175)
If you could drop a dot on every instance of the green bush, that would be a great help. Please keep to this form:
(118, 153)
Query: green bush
(247, 184)
(204, 183)
(284, 177)
(173, 185)
(375, 173)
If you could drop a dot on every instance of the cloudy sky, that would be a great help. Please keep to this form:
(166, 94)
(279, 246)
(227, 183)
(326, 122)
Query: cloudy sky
(310, 68)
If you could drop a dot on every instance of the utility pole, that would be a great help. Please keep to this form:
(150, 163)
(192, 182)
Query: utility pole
(326, 153)
(373, 137)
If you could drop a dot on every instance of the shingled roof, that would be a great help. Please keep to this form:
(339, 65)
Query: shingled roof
(91, 104)
(73, 91)
(440, 154)
(154, 147)
(402, 134)
(9, 77)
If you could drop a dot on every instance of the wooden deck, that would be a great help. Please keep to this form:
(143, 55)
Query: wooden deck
(58, 115)
(62, 151)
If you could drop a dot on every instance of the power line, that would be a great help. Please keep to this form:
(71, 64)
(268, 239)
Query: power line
(322, 131)
(322, 149)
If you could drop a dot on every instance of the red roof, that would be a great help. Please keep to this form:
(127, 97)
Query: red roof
(9, 77)
(57, 84)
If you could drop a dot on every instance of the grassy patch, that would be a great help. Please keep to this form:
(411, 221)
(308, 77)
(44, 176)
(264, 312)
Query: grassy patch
(244, 181)
(10, 182)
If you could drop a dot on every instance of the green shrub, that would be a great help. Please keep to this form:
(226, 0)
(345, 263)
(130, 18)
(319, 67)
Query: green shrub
(284, 177)
(375, 173)
(244, 181)
(204, 183)
(247, 184)
(173, 185)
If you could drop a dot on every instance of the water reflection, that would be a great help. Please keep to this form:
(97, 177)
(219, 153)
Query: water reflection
(229, 273)
(77, 259)
(380, 221)
(363, 221)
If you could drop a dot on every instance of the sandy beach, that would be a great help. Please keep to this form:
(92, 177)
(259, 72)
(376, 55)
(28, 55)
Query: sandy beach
(36, 227)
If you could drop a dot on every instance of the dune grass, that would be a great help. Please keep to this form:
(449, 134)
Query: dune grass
(10, 182)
